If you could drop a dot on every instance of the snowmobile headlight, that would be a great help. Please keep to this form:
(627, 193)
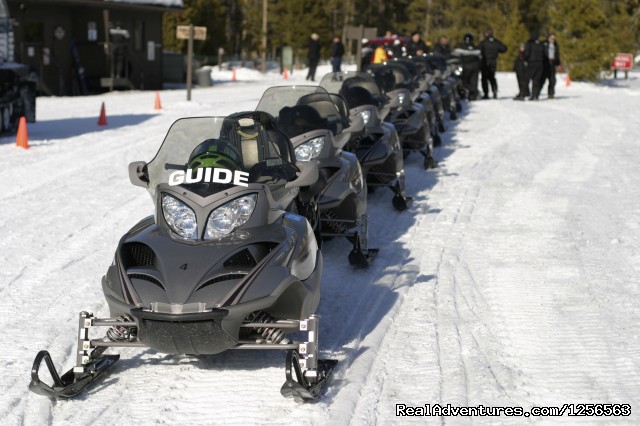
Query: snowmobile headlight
(229, 216)
(401, 97)
(180, 218)
(366, 116)
(358, 179)
(310, 149)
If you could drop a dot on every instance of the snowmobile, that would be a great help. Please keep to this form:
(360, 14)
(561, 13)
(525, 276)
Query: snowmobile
(319, 132)
(433, 91)
(378, 149)
(424, 88)
(222, 264)
(447, 74)
(408, 117)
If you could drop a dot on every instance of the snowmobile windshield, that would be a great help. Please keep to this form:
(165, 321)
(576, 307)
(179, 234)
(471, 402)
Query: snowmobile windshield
(206, 155)
(301, 109)
(402, 77)
(411, 68)
(358, 88)
(383, 75)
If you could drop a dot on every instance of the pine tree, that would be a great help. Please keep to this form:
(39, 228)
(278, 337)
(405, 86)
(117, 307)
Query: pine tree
(583, 36)
(512, 36)
(205, 13)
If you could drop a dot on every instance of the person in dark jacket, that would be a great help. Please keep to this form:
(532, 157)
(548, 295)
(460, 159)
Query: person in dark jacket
(534, 55)
(490, 48)
(337, 51)
(442, 48)
(416, 46)
(313, 56)
(552, 56)
(520, 67)
(469, 56)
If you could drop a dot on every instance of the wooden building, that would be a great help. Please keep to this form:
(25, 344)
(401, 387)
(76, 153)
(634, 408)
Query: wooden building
(89, 46)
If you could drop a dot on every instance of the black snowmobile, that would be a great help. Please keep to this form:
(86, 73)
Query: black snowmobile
(408, 117)
(378, 149)
(432, 92)
(319, 132)
(425, 94)
(221, 265)
(447, 76)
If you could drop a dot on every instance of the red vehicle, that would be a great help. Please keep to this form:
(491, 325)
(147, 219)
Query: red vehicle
(394, 46)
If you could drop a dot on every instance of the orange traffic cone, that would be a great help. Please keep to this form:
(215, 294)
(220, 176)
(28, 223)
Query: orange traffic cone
(102, 121)
(233, 74)
(22, 138)
(157, 104)
(285, 74)
(567, 81)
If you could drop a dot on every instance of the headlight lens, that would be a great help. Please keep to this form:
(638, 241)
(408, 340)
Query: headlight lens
(310, 149)
(366, 116)
(180, 218)
(358, 180)
(401, 97)
(229, 216)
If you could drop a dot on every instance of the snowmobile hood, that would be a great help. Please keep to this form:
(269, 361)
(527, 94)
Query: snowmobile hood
(154, 268)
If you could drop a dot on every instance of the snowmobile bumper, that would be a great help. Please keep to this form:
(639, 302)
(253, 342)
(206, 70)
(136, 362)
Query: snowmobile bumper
(193, 333)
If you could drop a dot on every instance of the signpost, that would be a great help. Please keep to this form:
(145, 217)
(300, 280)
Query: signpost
(189, 33)
(622, 62)
(358, 33)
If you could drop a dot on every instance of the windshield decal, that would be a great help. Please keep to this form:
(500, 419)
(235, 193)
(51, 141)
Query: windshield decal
(209, 175)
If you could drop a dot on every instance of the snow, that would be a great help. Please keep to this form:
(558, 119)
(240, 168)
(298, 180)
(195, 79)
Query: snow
(512, 280)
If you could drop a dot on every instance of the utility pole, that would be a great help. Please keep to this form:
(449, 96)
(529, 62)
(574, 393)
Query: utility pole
(264, 36)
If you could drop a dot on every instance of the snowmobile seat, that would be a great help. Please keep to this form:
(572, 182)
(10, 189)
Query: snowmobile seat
(326, 108)
(282, 144)
(358, 96)
(299, 119)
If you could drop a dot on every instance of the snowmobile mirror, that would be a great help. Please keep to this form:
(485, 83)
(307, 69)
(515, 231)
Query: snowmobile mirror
(138, 174)
(308, 174)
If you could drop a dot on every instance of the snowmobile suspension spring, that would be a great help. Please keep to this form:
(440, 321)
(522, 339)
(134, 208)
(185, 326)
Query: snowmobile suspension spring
(119, 333)
(270, 335)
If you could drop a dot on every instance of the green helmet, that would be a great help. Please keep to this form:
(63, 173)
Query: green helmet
(215, 153)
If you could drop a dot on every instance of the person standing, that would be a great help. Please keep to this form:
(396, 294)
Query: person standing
(490, 48)
(416, 46)
(313, 56)
(553, 60)
(534, 55)
(520, 67)
(469, 56)
(337, 51)
(442, 48)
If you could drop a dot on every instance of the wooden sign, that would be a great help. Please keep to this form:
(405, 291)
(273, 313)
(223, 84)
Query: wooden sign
(199, 33)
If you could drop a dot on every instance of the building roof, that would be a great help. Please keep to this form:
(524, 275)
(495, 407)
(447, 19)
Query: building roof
(159, 5)
(165, 3)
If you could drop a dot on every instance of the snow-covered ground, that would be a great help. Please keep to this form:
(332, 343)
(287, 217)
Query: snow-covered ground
(511, 281)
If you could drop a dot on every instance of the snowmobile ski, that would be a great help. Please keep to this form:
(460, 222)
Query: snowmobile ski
(301, 389)
(71, 383)
(361, 257)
